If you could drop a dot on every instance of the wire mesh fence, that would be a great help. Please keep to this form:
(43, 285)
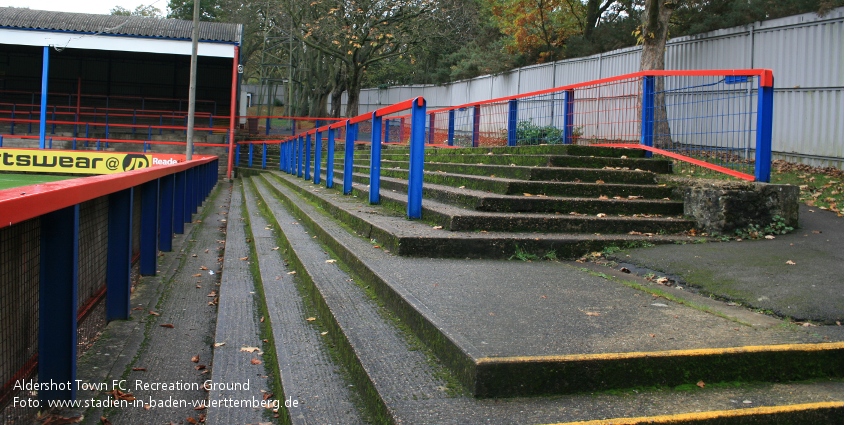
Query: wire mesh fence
(20, 255)
(93, 244)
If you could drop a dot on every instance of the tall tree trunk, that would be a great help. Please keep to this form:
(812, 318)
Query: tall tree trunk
(353, 89)
(337, 93)
(655, 32)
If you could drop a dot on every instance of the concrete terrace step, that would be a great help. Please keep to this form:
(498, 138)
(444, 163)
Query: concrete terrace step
(419, 238)
(455, 218)
(516, 328)
(657, 166)
(308, 374)
(548, 174)
(447, 190)
(506, 186)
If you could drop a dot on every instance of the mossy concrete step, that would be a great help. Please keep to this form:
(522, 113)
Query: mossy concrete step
(505, 186)
(433, 237)
(653, 165)
(552, 174)
(508, 329)
(481, 201)
(577, 150)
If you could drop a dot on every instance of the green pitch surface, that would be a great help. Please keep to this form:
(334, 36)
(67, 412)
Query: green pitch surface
(15, 180)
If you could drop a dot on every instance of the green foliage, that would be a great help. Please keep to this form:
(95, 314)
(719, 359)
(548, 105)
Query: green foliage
(755, 231)
(210, 10)
(522, 255)
(140, 10)
(527, 133)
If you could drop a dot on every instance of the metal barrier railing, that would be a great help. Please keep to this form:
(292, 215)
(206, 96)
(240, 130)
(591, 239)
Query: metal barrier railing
(716, 119)
(90, 229)
(295, 152)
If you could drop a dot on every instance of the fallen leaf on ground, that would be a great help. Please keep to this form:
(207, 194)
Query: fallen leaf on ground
(592, 313)
(437, 227)
(790, 262)
(191, 420)
(199, 367)
(139, 369)
(104, 420)
(331, 261)
(293, 272)
(255, 361)
(599, 181)
(243, 258)
(203, 268)
(769, 237)
(168, 325)
(197, 275)
(261, 319)
(311, 319)
(153, 313)
(275, 249)
(200, 407)
(219, 344)
(196, 359)
(324, 333)
(700, 384)
(251, 349)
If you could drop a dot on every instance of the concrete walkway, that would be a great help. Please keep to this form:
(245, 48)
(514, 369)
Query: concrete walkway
(798, 275)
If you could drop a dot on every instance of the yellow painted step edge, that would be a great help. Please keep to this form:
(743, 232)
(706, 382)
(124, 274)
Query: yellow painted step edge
(668, 353)
(716, 414)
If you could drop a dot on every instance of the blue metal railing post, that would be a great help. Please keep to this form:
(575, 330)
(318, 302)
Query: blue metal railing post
(647, 118)
(45, 74)
(282, 156)
(375, 159)
(237, 155)
(349, 152)
(263, 156)
(57, 303)
(450, 138)
(300, 145)
(417, 157)
(307, 162)
(149, 227)
(330, 159)
(430, 129)
(763, 151)
(119, 255)
(267, 127)
(249, 160)
(165, 203)
(318, 153)
(476, 124)
(568, 116)
(179, 204)
(512, 121)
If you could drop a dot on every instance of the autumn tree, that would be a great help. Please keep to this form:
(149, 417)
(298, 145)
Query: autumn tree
(360, 33)
(538, 28)
(141, 10)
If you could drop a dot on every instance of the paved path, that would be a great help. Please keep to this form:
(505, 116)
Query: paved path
(759, 273)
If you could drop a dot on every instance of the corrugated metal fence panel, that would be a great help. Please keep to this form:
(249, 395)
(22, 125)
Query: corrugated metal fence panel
(805, 121)
(480, 89)
(536, 78)
(803, 56)
(458, 94)
(729, 52)
(624, 61)
(576, 71)
(505, 84)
